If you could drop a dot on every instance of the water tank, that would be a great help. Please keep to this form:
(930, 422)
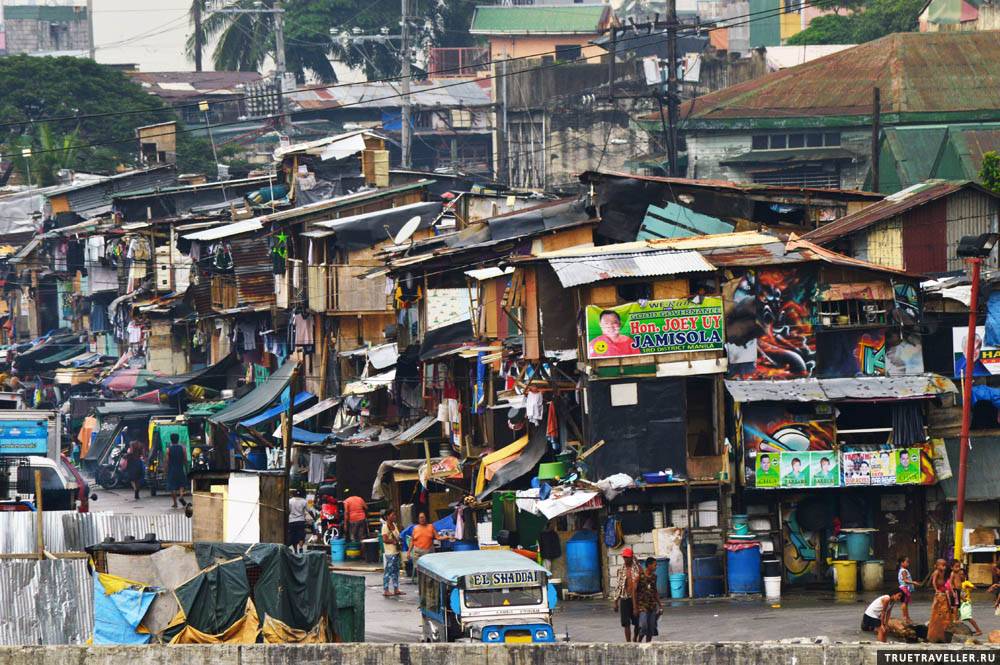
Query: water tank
(583, 563)
(744, 570)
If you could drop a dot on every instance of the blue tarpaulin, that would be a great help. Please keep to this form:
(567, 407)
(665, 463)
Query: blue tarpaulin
(305, 436)
(276, 411)
(119, 607)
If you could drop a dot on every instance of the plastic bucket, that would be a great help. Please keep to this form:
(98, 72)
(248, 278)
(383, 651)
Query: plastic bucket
(678, 585)
(845, 575)
(858, 545)
(872, 575)
(338, 549)
(353, 551)
(663, 577)
(772, 587)
(740, 525)
(772, 568)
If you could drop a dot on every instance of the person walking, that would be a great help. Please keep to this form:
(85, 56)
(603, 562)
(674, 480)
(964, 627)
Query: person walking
(356, 516)
(628, 576)
(646, 602)
(390, 549)
(177, 462)
(135, 468)
(297, 508)
(906, 585)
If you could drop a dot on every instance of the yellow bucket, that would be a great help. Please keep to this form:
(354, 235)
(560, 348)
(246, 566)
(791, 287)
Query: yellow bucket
(845, 575)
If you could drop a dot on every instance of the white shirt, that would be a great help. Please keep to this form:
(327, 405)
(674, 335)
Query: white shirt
(875, 609)
(297, 509)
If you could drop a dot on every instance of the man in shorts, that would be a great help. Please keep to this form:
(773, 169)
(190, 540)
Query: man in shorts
(628, 576)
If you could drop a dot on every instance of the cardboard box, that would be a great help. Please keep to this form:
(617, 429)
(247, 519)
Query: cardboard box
(981, 573)
(980, 537)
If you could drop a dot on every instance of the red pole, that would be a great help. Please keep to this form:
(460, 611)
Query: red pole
(963, 459)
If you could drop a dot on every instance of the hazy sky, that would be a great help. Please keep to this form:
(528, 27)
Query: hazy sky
(149, 33)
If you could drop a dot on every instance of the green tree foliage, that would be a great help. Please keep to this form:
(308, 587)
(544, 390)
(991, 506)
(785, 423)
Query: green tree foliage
(246, 41)
(33, 89)
(870, 20)
(989, 171)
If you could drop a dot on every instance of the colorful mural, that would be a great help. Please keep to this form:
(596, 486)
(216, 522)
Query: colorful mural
(772, 428)
(853, 353)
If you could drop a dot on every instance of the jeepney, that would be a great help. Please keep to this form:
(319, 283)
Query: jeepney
(491, 596)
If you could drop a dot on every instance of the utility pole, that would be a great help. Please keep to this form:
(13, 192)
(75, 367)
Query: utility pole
(199, 36)
(876, 131)
(90, 29)
(611, 63)
(404, 52)
(673, 98)
(279, 52)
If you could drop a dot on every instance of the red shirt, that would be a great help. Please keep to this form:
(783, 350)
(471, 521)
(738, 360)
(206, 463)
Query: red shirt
(355, 508)
(605, 347)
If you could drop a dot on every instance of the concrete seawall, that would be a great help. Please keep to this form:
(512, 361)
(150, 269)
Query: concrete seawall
(661, 653)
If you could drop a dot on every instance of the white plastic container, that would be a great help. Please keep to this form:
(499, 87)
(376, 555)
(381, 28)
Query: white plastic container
(679, 517)
(772, 588)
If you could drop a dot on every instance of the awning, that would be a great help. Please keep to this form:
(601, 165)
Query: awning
(213, 376)
(370, 384)
(789, 156)
(300, 435)
(276, 411)
(416, 429)
(982, 482)
(313, 410)
(257, 399)
(415, 469)
(131, 408)
(510, 463)
(446, 339)
(370, 228)
(863, 388)
(480, 274)
(577, 270)
(227, 231)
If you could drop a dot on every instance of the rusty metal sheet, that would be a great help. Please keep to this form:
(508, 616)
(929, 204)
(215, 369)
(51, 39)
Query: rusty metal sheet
(254, 276)
(857, 388)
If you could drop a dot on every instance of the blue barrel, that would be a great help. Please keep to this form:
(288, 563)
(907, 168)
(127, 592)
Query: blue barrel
(744, 570)
(465, 546)
(663, 576)
(338, 547)
(705, 567)
(678, 585)
(257, 460)
(583, 563)
(858, 545)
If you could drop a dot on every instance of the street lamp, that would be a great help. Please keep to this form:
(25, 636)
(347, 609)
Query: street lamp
(26, 153)
(974, 249)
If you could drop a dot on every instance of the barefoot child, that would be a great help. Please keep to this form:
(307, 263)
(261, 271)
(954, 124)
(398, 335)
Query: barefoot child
(965, 608)
(906, 585)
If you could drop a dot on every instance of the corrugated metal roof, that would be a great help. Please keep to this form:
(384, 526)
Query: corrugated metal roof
(917, 72)
(749, 188)
(890, 206)
(588, 269)
(541, 20)
(857, 388)
(46, 602)
(254, 273)
(227, 231)
(982, 482)
(435, 93)
(95, 196)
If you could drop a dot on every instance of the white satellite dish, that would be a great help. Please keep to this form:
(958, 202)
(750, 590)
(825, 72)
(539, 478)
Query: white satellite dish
(408, 230)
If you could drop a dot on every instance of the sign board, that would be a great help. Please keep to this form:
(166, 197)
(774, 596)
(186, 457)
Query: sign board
(516, 578)
(24, 437)
(986, 359)
(827, 468)
(676, 325)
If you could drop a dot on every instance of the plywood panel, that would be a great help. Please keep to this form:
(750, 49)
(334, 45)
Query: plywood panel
(532, 346)
(603, 295)
(578, 237)
(671, 288)
(206, 522)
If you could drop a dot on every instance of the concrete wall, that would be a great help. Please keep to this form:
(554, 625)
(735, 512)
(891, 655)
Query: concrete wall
(660, 653)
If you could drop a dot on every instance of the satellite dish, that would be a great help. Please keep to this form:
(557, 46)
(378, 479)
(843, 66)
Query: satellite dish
(408, 230)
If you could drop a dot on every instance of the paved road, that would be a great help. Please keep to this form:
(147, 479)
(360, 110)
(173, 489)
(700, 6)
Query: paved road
(122, 501)
(802, 615)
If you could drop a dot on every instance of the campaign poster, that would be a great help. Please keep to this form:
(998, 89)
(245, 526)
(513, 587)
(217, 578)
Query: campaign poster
(883, 467)
(767, 468)
(824, 471)
(795, 469)
(857, 468)
(908, 466)
(985, 359)
(675, 325)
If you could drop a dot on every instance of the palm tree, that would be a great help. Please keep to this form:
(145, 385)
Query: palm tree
(245, 41)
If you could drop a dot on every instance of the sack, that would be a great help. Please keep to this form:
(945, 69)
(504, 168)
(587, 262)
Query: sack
(613, 532)
(965, 611)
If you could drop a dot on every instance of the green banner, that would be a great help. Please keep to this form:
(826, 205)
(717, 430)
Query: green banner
(654, 326)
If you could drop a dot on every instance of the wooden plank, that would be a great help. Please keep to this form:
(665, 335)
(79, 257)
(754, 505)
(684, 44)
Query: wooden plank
(579, 237)
(671, 288)
(532, 340)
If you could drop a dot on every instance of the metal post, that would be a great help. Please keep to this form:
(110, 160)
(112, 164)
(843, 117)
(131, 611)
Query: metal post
(286, 438)
(90, 29)
(611, 65)
(404, 53)
(39, 516)
(673, 98)
(279, 62)
(876, 130)
(963, 459)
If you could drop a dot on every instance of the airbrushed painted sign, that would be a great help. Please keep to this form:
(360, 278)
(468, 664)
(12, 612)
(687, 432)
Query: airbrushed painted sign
(500, 580)
(654, 326)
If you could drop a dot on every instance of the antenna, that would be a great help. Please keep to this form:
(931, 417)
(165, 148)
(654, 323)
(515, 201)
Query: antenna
(408, 230)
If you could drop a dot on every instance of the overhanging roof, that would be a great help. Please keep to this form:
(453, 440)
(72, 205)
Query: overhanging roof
(861, 388)
(257, 399)
(587, 269)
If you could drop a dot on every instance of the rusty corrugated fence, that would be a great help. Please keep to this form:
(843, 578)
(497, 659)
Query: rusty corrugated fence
(50, 601)
(70, 531)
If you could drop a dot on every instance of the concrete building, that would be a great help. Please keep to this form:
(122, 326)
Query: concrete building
(62, 29)
(811, 125)
(556, 32)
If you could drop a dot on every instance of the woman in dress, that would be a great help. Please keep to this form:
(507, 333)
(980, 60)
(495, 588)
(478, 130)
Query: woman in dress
(177, 479)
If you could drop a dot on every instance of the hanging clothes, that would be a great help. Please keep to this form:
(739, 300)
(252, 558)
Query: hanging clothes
(303, 330)
(534, 407)
(134, 332)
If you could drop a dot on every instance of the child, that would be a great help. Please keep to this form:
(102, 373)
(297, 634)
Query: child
(965, 608)
(953, 587)
(906, 585)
